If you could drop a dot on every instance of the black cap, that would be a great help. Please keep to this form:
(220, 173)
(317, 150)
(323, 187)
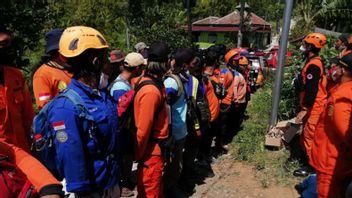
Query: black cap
(346, 61)
(158, 52)
(344, 37)
(52, 39)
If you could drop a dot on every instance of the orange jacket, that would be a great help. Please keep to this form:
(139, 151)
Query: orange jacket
(239, 88)
(332, 146)
(147, 102)
(314, 61)
(213, 101)
(36, 173)
(16, 110)
(318, 106)
(48, 82)
(225, 77)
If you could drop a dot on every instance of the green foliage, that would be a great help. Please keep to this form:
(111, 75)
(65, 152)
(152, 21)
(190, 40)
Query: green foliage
(251, 139)
(110, 18)
(162, 23)
(309, 12)
(249, 143)
(289, 97)
(219, 8)
(25, 22)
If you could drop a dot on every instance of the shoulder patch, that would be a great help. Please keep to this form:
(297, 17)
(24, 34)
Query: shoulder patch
(310, 76)
(44, 96)
(61, 136)
(62, 85)
(60, 125)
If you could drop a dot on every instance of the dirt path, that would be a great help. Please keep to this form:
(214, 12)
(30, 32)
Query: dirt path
(235, 179)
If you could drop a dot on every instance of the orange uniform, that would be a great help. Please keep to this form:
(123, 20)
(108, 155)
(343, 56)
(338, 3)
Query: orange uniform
(16, 109)
(331, 148)
(226, 78)
(213, 101)
(48, 81)
(151, 127)
(36, 173)
(146, 104)
(312, 71)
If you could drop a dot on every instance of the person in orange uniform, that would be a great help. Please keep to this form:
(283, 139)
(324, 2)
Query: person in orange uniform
(16, 110)
(312, 94)
(226, 78)
(41, 179)
(204, 156)
(239, 93)
(151, 118)
(331, 147)
(52, 76)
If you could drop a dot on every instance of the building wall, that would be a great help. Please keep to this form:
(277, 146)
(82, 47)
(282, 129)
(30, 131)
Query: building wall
(212, 37)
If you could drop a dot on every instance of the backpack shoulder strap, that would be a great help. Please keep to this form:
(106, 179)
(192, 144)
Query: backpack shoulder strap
(77, 101)
(178, 82)
(193, 86)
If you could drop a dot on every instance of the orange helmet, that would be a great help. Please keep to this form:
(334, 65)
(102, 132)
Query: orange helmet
(243, 60)
(316, 39)
(230, 54)
(77, 39)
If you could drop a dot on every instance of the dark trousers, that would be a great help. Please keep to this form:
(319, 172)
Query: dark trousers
(173, 169)
(235, 120)
(189, 155)
(207, 140)
(224, 118)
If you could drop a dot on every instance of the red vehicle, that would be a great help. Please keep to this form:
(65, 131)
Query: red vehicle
(273, 55)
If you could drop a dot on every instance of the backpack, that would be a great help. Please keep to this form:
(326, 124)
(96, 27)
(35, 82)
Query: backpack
(203, 109)
(219, 89)
(14, 183)
(127, 121)
(179, 83)
(43, 135)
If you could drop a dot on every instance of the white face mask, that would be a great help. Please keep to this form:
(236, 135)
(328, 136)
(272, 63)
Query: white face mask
(104, 81)
(302, 49)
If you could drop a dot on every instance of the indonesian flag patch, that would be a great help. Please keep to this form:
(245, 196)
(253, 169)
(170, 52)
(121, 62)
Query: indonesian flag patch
(60, 125)
(44, 96)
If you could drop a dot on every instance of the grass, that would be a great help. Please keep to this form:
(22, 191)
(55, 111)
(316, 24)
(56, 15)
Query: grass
(248, 145)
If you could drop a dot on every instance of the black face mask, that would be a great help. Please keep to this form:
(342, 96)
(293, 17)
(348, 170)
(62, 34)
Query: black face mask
(7, 56)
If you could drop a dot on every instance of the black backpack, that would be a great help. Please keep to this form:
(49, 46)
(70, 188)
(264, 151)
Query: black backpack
(219, 89)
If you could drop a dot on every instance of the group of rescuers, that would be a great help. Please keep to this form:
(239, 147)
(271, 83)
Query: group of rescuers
(175, 99)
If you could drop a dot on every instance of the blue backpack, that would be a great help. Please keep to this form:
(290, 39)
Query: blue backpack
(43, 134)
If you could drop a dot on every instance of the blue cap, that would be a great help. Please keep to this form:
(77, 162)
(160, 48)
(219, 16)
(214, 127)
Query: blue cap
(52, 39)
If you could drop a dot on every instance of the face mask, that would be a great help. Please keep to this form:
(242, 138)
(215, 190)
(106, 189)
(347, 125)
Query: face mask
(104, 81)
(302, 49)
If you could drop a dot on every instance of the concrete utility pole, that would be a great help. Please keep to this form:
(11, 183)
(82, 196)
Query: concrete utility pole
(189, 20)
(281, 62)
(239, 35)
